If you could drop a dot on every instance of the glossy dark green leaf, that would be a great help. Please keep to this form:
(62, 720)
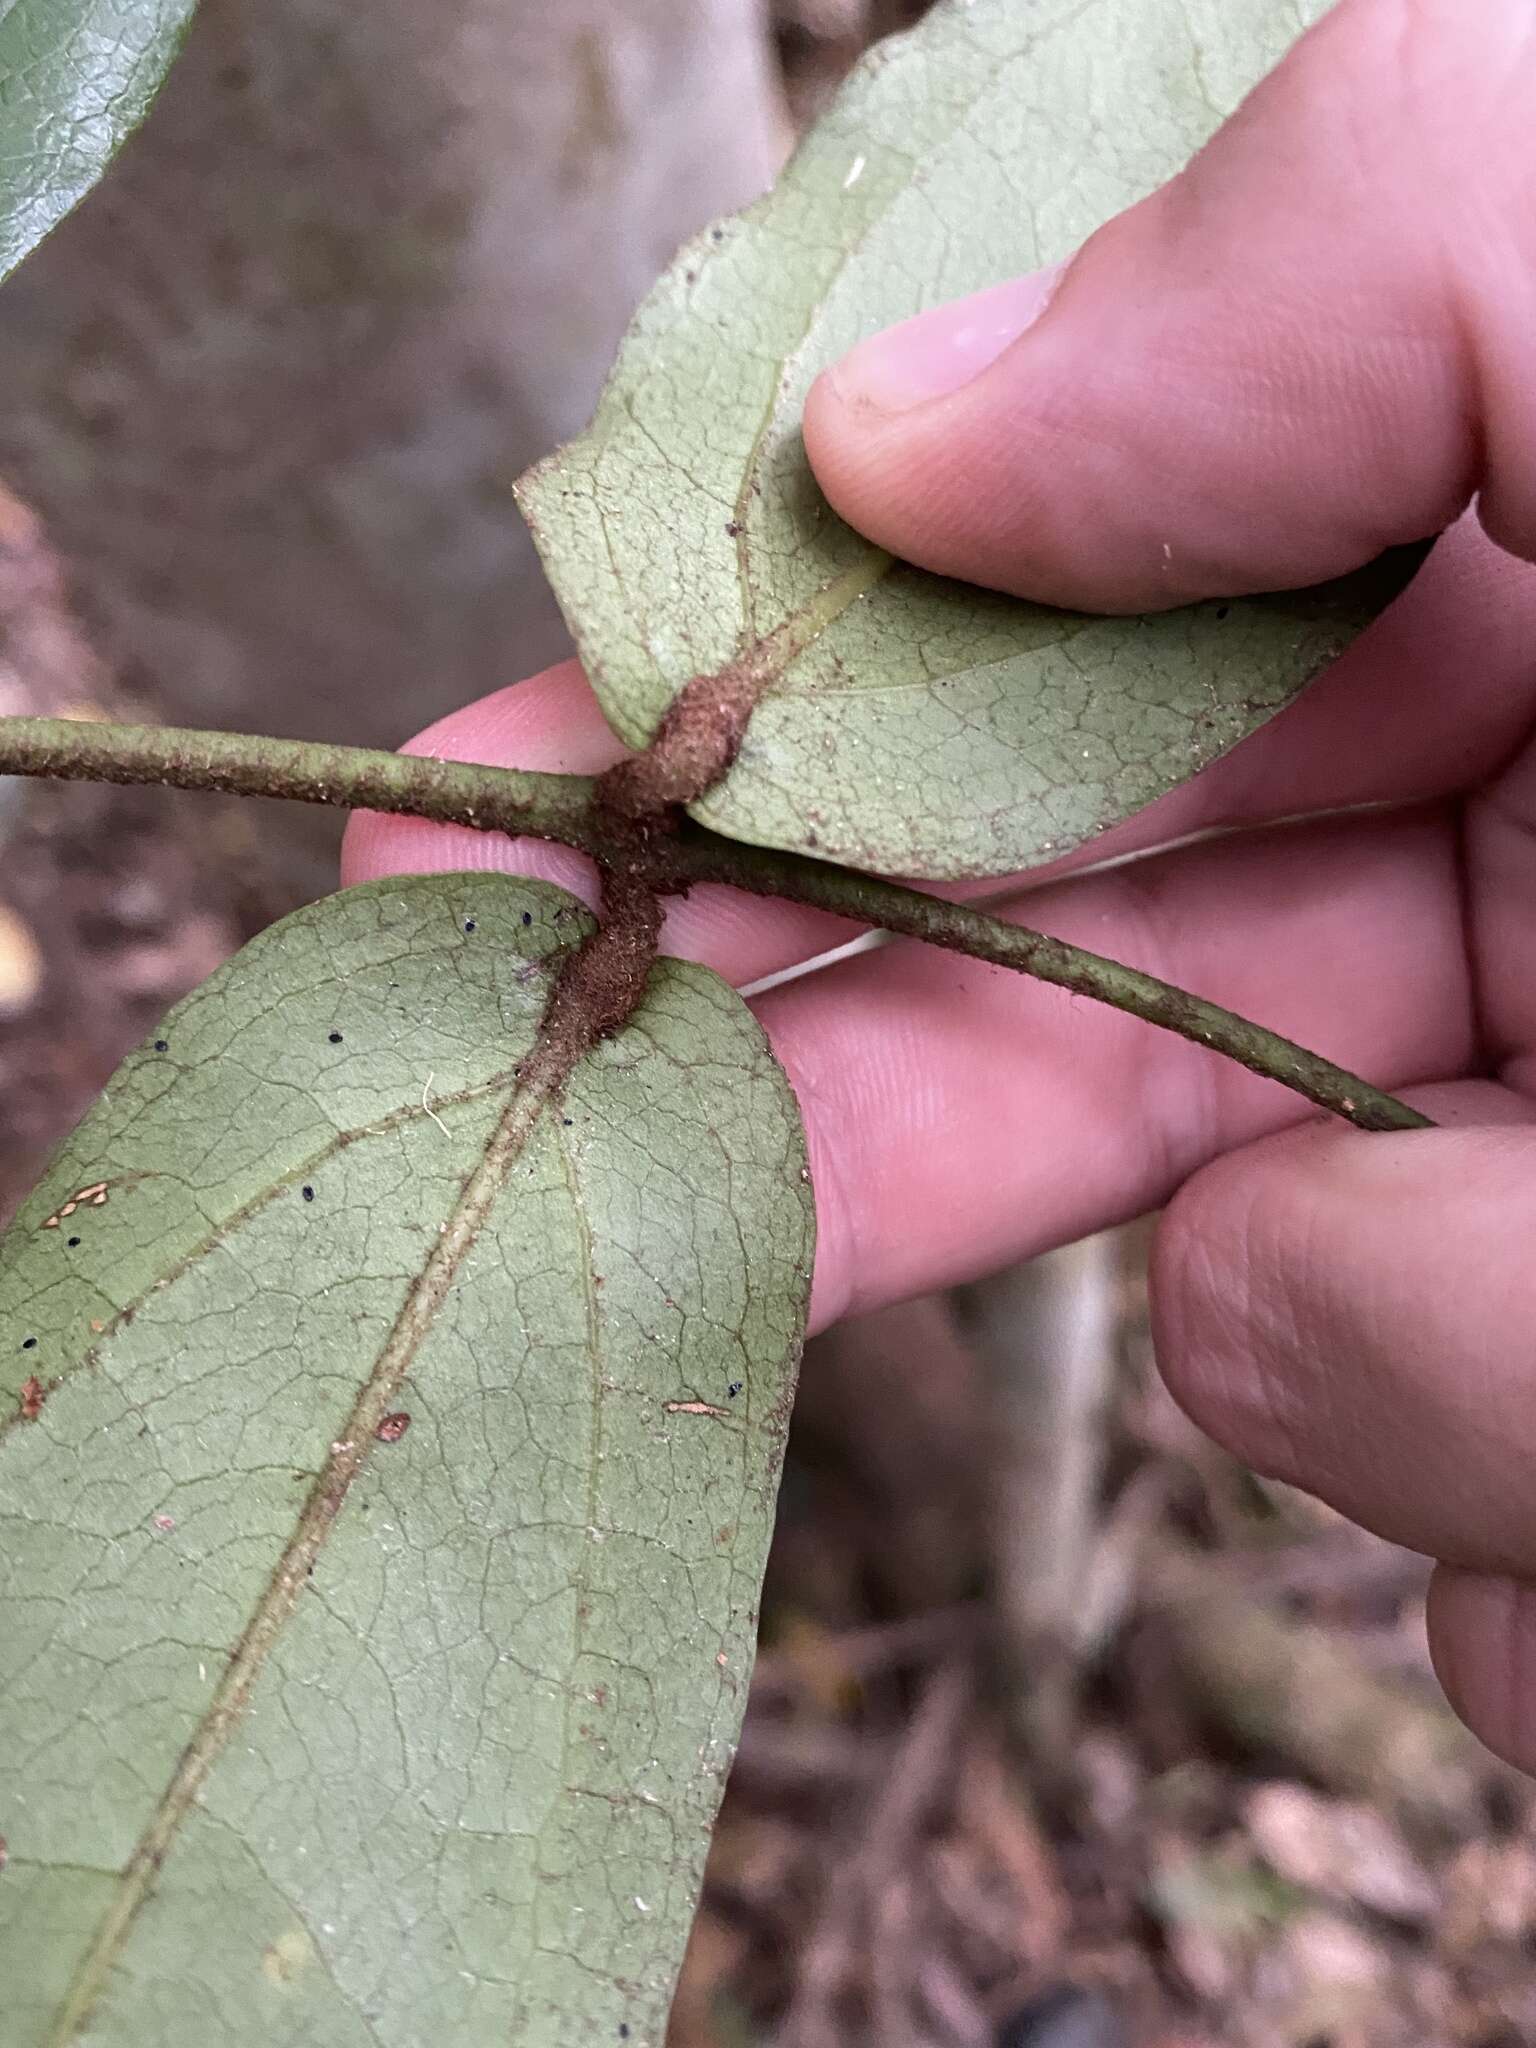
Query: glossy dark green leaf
(385, 1483)
(911, 724)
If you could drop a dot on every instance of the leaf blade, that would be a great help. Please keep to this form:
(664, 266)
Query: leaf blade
(76, 78)
(926, 728)
(404, 1768)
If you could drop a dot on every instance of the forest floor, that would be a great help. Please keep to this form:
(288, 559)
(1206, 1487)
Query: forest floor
(1249, 1820)
(1256, 1823)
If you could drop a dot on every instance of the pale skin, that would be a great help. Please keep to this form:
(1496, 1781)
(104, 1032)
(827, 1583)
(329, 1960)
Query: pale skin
(1319, 340)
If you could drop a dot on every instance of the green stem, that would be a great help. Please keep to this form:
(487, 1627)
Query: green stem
(913, 915)
(566, 808)
(305, 771)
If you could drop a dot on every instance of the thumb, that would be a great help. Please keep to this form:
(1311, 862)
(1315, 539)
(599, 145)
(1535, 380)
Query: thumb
(1316, 342)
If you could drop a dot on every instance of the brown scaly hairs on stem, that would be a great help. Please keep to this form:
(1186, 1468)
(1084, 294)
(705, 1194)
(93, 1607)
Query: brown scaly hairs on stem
(658, 853)
(639, 800)
(694, 747)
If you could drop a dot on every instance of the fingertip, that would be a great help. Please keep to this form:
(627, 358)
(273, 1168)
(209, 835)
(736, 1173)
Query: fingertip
(1254, 379)
(934, 354)
(898, 433)
(1482, 1643)
(1201, 1284)
(552, 721)
(1263, 1275)
(376, 847)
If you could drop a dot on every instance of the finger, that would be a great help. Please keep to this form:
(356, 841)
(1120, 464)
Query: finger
(1482, 1637)
(1313, 343)
(1354, 1316)
(552, 721)
(1006, 1117)
(1432, 700)
(1381, 727)
(960, 1116)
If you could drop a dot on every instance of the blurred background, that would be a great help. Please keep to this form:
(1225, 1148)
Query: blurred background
(1067, 1733)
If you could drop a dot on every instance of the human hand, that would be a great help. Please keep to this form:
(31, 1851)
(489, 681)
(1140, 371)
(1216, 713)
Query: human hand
(1319, 340)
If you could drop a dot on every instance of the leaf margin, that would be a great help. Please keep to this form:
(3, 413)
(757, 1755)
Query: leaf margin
(671, 976)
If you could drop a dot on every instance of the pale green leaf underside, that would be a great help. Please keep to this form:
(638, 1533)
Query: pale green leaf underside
(467, 1797)
(927, 729)
(76, 77)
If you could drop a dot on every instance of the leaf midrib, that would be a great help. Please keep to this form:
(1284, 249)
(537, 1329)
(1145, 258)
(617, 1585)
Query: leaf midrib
(542, 1081)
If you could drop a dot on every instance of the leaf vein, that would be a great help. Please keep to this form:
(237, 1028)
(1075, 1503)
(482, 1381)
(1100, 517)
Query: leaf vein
(326, 1498)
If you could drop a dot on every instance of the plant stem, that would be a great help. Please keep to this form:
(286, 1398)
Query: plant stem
(567, 808)
(308, 772)
(911, 914)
